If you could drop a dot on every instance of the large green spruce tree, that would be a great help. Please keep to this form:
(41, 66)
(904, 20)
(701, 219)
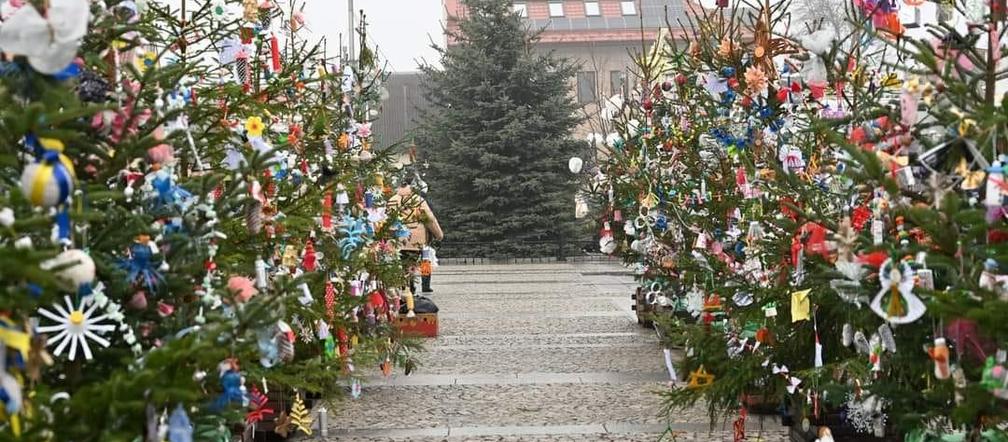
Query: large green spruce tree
(497, 135)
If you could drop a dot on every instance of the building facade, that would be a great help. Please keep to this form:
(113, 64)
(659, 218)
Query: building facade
(599, 34)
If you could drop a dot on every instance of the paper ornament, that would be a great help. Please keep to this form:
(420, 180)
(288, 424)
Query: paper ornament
(74, 327)
(902, 306)
(800, 305)
(699, 378)
(300, 418)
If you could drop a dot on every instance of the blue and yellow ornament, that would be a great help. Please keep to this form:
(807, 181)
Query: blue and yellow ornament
(50, 181)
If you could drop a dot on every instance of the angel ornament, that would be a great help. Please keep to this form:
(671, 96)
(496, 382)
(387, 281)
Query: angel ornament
(902, 306)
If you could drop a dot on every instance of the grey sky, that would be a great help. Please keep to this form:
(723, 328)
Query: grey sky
(400, 28)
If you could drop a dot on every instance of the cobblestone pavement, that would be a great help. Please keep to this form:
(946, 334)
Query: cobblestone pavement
(541, 352)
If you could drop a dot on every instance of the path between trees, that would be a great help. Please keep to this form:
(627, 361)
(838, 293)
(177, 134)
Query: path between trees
(542, 352)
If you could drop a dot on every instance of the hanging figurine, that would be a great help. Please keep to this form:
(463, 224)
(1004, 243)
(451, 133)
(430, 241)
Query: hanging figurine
(903, 306)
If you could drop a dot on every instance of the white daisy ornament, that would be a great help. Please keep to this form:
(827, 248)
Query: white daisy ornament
(74, 327)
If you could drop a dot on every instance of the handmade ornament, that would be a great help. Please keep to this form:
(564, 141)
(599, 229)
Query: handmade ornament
(995, 376)
(300, 417)
(940, 355)
(11, 394)
(800, 305)
(139, 265)
(607, 244)
(824, 435)
(353, 231)
(75, 326)
(409, 304)
(258, 402)
(575, 165)
(180, 429)
(903, 306)
(231, 384)
(50, 181)
(699, 378)
(74, 268)
(50, 43)
(242, 288)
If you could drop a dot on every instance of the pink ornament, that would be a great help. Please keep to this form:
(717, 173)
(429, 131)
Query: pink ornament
(161, 154)
(165, 310)
(243, 288)
(138, 301)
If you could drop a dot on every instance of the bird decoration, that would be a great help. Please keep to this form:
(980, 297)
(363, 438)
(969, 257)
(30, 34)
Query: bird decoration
(353, 231)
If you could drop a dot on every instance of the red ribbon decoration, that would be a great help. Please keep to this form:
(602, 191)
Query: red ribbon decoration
(259, 401)
(738, 426)
(275, 52)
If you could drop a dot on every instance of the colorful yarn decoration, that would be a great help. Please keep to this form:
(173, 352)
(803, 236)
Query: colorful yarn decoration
(50, 181)
(140, 267)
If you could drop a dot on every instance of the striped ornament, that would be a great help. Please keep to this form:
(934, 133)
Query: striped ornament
(50, 181)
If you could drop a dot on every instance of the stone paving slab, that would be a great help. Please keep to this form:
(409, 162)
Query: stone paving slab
(546, 287)
(478, 297)
(720, 436)
(529, 378)
(629, 337)
(481, 304)
(634, 358)
(503, 405)
(535, 325)
(530, 352)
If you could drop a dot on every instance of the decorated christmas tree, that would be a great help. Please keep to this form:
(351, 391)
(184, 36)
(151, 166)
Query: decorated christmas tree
(821, 212)
(191, 215)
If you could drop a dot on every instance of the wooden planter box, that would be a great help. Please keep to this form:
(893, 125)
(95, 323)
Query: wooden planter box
(760, 405)
(423, 325)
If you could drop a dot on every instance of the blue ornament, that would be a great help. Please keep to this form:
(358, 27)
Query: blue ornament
(72, 71)
(180, 429)
(728, 72)
(353, 230)
(661, 223)
(232, 394)
(139, 266)
(170, 193)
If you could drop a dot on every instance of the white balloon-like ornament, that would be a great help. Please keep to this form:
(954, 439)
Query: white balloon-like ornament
(75, 268)
(575, 164)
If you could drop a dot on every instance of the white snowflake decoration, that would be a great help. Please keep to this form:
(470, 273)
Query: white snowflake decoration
(75, 326)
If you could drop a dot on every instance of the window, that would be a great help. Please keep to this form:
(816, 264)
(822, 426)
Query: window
(617, 82)
(629, 7)
(521, 9)
(592, 8)
(556, 9)
(586, 90)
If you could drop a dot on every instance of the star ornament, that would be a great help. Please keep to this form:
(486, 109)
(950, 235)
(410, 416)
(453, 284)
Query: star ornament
(700, 378)
(75, 325)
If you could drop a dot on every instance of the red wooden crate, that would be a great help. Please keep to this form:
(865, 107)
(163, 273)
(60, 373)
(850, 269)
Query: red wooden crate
(423, 325)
